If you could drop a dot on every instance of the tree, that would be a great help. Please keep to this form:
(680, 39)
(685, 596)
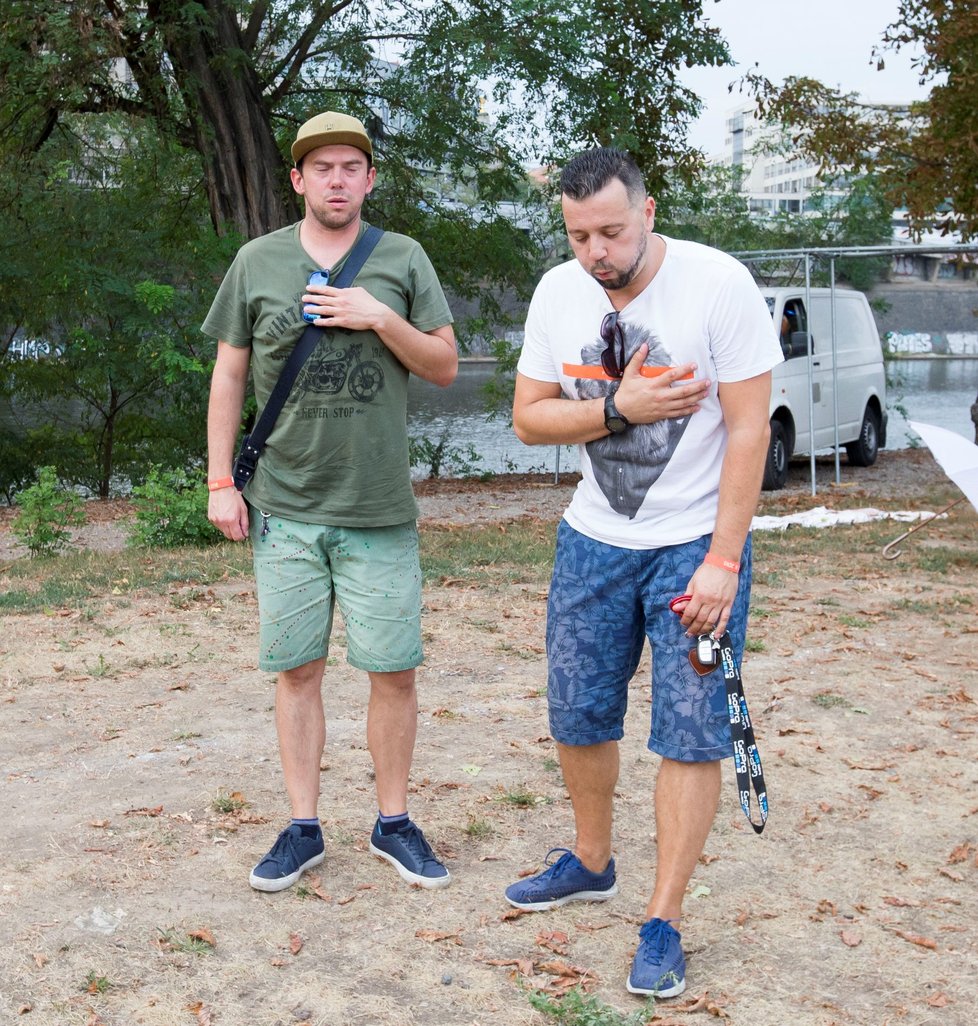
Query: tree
(230, 80)
(926, 154)
(105, 260)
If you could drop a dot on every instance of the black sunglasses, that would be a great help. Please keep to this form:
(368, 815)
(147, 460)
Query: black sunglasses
(613, 357)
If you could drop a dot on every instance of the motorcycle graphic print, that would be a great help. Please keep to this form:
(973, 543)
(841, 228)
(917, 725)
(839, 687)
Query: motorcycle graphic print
(329, 369)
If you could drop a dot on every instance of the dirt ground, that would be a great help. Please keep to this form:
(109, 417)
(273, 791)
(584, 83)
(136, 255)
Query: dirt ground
(125, 894)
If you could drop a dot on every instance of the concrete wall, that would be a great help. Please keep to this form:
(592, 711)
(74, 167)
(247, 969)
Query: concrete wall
(938, 319)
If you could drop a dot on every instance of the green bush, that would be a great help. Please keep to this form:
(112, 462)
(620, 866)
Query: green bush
(576, 1008)
(16, 466)
(46, 512)
(440, 457)
(171, 510)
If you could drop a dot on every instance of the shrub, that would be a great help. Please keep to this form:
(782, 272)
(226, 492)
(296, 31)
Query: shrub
(439, 456)
(46, 512)
(171, 510)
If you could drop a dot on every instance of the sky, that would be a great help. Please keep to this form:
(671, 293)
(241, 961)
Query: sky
(831, 40)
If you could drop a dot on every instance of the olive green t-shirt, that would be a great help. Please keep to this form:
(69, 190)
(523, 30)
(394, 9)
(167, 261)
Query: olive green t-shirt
(338, 453)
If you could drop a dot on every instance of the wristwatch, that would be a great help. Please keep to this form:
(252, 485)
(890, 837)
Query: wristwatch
(613, 420)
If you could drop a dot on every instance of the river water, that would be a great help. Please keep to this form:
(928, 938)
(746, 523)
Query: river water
(934, 391)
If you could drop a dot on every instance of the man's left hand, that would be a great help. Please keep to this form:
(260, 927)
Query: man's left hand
(712, 591)
(353, 308)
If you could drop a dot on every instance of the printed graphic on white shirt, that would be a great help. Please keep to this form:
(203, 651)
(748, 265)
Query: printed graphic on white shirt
(626, 466)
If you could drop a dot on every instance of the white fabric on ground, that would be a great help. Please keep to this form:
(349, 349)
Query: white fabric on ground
(822, 516)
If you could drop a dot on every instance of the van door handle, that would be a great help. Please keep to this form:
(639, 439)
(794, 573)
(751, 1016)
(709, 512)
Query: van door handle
(816, 363)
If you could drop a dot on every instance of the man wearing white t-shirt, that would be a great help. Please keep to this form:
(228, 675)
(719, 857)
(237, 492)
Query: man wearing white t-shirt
(665, 348)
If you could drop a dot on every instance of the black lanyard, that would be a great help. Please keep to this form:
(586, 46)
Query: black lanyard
(747, 759)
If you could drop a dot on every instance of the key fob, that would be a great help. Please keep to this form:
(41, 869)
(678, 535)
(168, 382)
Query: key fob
(706, 650)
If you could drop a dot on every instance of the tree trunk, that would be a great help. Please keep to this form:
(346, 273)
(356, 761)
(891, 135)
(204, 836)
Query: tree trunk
(106, 444)
(244, 173)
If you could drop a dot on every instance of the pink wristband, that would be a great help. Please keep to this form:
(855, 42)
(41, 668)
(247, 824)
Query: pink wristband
(724, 564)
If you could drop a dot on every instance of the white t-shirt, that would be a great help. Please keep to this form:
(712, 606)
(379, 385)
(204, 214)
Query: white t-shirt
(655, 484)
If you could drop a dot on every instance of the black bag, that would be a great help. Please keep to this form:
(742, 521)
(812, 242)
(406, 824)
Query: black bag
(252, 444)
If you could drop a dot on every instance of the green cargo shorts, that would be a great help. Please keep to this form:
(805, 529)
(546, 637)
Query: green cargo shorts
(304, 570)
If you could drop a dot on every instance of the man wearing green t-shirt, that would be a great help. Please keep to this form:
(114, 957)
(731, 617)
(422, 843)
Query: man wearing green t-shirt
(330, 511)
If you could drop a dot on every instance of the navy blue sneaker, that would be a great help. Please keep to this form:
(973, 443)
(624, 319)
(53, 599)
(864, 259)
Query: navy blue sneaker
(291, 855)
(659, 966)
(411, 855)
(567, 879)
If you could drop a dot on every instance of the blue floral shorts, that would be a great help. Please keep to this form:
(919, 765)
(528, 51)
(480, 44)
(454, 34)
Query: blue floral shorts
(604, 601)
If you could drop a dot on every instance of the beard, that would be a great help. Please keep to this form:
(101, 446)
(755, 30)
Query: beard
(332, 219)
(625, 278)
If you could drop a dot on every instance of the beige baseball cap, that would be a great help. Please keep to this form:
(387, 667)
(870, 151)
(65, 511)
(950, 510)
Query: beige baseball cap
(329, 129)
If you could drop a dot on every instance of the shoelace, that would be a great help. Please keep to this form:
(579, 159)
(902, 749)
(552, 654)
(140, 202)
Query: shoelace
(656, 934)
(558, 866)
(284, 845)
(417, 844)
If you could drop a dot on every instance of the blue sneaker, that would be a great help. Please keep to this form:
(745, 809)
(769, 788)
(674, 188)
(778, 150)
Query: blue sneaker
(291, 855)
(659, 966)
(567, 879)
(411, 855)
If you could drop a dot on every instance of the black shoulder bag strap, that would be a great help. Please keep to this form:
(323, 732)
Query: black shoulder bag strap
(253, 443)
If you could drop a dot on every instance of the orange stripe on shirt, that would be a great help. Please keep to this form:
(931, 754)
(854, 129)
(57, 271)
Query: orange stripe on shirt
(597, 373)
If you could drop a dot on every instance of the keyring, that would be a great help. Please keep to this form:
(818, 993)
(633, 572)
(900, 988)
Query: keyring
(676, 604)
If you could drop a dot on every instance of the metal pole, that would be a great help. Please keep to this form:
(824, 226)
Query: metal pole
(556, 464)
(835, 371)
(811, 370)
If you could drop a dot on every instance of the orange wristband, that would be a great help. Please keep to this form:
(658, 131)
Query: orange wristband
(724, 564)
(221, 482)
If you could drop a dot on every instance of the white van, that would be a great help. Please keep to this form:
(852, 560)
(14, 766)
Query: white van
(806, 338)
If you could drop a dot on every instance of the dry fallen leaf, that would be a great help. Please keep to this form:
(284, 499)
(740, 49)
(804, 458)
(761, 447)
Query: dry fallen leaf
(152, 813)
(961, 854)
(916, 938)
(591, 927)
(554, 940)
(850, 938)
(524, 966)
(295, 943)
(204, 935)
(558, 968)
(202, 1012)
(938, 1000)
(700, 1003)
(438, 935)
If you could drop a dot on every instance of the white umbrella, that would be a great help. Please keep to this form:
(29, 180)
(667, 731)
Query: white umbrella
(957, 456)
(958, 459)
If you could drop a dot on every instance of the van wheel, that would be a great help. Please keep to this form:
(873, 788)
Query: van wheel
(776, 465)
(864, 450)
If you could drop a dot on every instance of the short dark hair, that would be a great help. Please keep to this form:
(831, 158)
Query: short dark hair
(589, 172)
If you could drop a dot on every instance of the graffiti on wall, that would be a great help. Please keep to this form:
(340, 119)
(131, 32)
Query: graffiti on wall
(932, 343)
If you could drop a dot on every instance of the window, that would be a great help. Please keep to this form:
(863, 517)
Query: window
(794, 329)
